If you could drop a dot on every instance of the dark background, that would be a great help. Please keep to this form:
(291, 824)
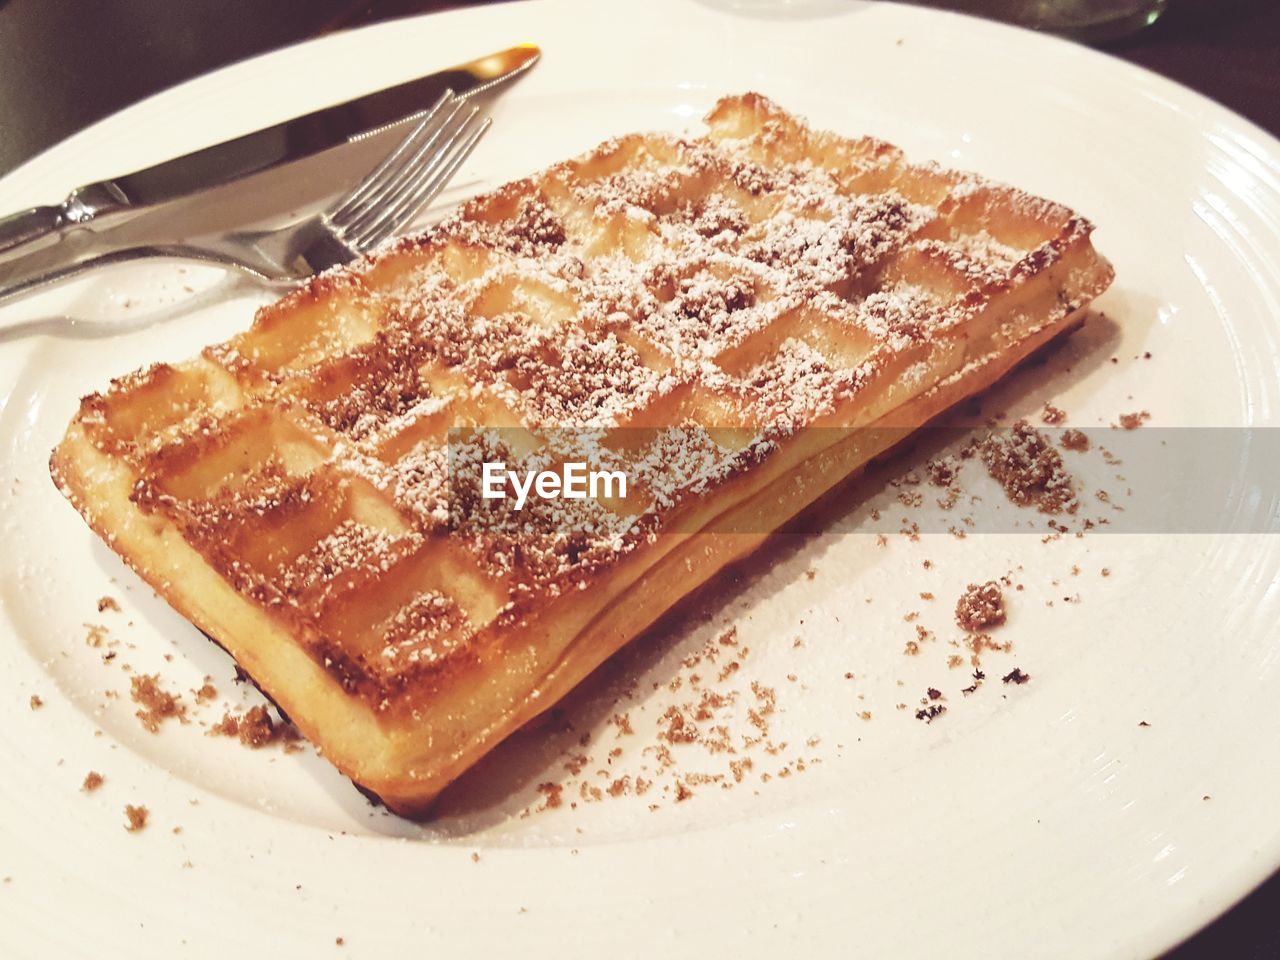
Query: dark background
(67, 63)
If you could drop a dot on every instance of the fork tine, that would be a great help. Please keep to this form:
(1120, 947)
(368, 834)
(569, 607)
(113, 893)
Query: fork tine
(343, 208)
(391, 184)
(427, 185)
(423, 142)
(428, 191)
(414, 175)
(428, 153)
(408, 200)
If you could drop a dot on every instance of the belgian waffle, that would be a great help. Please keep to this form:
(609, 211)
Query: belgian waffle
(737, 321)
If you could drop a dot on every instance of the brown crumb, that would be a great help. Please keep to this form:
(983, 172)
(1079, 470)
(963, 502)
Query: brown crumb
(1076, 440)
(475, 856)
(1029, 469)
(1052, 415)
(339, 941)
(980, 607)
(941, 471)
(255, 728)
(552, 794)
(157, 705)
(930, 713)
(1016, 676)
(205, 693)
(1143, 723)
(35, 702)
(137, 817)
(108, 603)
(92, 781)
(1132, 421)
(677, 730)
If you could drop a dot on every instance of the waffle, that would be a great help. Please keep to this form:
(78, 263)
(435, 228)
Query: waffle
(736, 322)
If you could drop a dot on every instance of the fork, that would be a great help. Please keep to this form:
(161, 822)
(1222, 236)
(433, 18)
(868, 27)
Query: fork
(385, 201)
(390, 197)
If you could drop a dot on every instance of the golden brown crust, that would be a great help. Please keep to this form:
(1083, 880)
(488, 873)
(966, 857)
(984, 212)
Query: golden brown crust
(296, 493)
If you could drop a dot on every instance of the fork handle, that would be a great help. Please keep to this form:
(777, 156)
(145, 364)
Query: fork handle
(26, 272)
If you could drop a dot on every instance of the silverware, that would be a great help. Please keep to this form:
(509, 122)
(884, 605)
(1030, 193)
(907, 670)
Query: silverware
(382, 203)
(83, 227)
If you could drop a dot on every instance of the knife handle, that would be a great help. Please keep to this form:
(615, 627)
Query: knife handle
(22, 228)
(83, 205)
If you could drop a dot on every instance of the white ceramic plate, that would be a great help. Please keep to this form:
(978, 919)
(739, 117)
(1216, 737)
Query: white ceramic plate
(1030, 820)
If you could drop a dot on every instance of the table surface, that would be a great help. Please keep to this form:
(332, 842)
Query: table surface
(79, 61)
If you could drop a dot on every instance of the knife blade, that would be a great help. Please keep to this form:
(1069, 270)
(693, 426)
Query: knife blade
(259, 151)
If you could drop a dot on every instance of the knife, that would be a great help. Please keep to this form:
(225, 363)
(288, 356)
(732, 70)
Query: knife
(253, 153)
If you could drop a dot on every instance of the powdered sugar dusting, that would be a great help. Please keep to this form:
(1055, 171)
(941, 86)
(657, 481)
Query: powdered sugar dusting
(671, 308)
